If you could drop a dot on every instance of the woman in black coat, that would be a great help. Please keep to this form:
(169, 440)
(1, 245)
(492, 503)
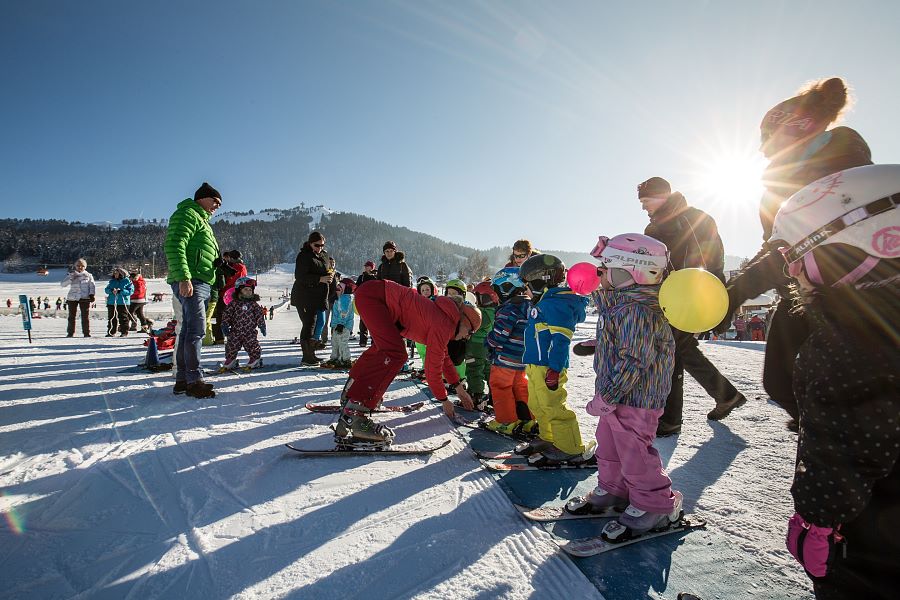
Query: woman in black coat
(312, 277)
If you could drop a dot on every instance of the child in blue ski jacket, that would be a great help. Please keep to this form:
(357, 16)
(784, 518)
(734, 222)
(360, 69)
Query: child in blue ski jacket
(555, 311)
(341, 325)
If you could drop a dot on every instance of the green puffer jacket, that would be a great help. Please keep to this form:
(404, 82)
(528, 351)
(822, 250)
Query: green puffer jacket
(191, 245)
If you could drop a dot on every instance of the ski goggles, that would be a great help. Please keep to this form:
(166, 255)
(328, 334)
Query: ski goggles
(613, 258)
(245, 282)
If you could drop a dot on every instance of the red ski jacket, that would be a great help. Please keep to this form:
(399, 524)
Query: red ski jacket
(140, 288)
(429, 322)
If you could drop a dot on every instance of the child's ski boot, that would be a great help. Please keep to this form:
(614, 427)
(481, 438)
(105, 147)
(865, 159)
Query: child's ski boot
(635, 522)
(229, 366)
(532, 447)
(554, 457)
(256, 364)
(597, 501)
(510, 429)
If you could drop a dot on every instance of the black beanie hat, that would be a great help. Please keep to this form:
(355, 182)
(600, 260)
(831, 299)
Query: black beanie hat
(655, 186)
(207, 191)
(389, 244)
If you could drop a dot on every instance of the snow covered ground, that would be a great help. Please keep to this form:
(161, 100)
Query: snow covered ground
(111, 487)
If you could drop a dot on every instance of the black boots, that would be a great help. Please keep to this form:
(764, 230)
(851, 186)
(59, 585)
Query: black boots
(309, 353)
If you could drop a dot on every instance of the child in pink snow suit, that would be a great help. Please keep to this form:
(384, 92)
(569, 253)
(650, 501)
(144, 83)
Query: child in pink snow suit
(242, 318)
(633, 362)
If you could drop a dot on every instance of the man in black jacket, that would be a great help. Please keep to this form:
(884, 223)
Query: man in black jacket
(693, 241)
(393, 266)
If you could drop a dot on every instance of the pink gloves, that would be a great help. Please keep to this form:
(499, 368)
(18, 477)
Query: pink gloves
(598, 406)
(812, 545)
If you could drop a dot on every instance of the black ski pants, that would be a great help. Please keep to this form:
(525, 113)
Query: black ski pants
(136, 310)
(786, 334)
(73, 306)
(688, 357)
(117, 318)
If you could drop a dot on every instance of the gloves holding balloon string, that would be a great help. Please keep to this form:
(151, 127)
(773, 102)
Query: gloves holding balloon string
(262, 328)
(813, 546)
(339, 329)
(226, 330)
(552, 379)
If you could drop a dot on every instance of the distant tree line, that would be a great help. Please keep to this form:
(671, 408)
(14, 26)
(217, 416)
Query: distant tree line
(352, 239)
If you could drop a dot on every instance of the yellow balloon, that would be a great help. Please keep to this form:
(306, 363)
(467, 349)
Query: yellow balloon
(693, 300)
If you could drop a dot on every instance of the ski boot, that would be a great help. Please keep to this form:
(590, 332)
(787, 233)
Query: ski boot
(528, 429)
(597, 501)
(635, 522)
(229, 366)
(554, 457)
(496, 426)
(256, 364)
(482, 402)
(532, 446)
(354, 429)
(344, 399)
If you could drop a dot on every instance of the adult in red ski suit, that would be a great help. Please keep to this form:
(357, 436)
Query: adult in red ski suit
(393, 312)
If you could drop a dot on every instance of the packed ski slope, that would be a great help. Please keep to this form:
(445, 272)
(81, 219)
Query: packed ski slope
(114, 488)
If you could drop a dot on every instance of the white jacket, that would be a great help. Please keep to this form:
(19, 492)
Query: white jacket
(82, 285)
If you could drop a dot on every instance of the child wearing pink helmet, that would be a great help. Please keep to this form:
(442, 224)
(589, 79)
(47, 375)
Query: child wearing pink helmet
(633, 362)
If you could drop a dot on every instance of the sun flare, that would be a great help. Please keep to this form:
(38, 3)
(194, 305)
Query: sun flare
(736, 178)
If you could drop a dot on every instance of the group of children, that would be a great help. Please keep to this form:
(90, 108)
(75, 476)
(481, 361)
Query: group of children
(521, 355)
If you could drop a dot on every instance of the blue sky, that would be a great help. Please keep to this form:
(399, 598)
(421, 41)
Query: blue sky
(478, 122)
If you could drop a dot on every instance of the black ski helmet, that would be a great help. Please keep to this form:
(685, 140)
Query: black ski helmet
(542, 271)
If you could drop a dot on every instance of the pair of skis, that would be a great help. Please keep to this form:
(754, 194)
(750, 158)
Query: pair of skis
(367, 450)
(591, 546)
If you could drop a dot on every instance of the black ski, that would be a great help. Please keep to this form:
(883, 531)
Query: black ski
(336, 408)
(388, 451)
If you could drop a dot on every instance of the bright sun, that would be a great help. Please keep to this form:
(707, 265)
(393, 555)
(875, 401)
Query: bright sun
(735, 178)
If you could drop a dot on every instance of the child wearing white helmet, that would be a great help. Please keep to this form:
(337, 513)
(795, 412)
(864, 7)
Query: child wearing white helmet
(634, 357)
(840, 237)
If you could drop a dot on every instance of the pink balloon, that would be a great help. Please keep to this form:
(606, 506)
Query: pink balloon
(228, 296)
(583, 278)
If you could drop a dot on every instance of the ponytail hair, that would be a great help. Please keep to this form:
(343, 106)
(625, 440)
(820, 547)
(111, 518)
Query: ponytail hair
(825, 100)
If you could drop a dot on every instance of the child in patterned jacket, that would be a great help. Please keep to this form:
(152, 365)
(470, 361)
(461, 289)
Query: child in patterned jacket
(241, 319)
(633, 361)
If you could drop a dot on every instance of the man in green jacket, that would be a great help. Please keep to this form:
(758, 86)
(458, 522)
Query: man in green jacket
(191, 250)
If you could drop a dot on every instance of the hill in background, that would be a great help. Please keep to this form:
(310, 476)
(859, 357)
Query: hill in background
(265, 238)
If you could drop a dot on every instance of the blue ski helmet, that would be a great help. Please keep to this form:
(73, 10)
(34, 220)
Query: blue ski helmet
(507, 283)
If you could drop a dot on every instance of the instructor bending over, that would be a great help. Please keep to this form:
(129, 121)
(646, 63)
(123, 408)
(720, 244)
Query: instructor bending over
(393, 312)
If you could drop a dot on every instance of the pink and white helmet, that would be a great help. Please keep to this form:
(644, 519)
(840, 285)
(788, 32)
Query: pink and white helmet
(642, 256)
(856, 207)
